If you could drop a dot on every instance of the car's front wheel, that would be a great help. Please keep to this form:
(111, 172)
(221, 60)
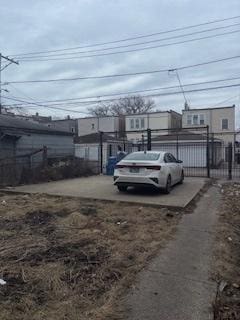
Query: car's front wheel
(182, 178)
(167, 189)
(122, 188)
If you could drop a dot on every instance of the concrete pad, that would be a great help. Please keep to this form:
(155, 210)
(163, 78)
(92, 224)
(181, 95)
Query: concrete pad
(177, 284)
(102, 188)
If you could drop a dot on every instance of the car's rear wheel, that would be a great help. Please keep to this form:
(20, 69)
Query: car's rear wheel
(167, 189)
(122, 188)
(182, 178)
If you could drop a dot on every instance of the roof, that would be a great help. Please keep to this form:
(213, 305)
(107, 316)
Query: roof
(95, 138)
(182, 136)
(20, 126)
(98, 117)
(227, 107)
(153, 112)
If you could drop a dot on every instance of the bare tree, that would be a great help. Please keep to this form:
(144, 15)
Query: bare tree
(126, 105)
(132, 105)
(100, 111)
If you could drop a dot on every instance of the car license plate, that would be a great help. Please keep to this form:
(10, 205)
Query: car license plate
(134, 170)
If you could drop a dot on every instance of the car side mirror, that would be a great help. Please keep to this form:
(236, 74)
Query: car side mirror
(179, 161)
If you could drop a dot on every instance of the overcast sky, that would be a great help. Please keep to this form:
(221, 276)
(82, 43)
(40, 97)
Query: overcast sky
(30, 25)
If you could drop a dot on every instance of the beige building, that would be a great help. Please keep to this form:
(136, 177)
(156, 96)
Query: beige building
(152, 120)
(221, 121)
(90, 125)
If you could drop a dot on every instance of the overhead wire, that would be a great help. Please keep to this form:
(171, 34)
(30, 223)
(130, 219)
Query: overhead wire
(144, 96)
(125, 74)
(128, 92)
(127, 51)
(132, 44)
(40, 105)
(130, 38)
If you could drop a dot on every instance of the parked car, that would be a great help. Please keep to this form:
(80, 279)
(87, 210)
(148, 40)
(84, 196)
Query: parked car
(156, 169)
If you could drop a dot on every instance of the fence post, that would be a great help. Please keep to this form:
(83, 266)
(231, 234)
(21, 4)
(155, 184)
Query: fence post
(212, 151)
(230, 149)
(44, 155)
(101, 150)
(143, 147)
(149, 140)
(177, 153)
(207, 154)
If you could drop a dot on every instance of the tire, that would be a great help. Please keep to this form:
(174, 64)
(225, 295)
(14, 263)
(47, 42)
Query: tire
(122, 188)
(182, 178)
(167, 189)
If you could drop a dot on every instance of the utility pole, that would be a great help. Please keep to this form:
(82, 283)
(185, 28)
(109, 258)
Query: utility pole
(9, 61)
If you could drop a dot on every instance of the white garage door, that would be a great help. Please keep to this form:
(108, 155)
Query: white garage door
(191, 155)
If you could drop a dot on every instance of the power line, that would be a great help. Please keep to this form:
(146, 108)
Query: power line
(144, 96)
(125, 74)
(131, 38)
(8, 62)
(128, 51)
(41, 105)
(126, 93)
(132, 44)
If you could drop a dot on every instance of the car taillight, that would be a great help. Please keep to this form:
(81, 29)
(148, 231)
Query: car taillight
(119, 166)
(153, 167)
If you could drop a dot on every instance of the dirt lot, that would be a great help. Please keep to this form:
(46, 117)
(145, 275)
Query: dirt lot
(70, 259)
(227, 304)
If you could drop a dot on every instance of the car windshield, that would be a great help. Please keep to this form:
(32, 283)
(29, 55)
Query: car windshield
(148, 156)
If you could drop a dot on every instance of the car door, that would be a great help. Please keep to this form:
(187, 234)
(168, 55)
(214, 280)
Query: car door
(171, 166)
(177, 168)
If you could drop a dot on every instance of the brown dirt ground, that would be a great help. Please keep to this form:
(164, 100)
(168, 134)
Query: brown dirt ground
(66, 258)
(227, 259)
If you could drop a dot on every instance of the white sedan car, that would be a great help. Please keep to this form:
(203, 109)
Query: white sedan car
(157, 169)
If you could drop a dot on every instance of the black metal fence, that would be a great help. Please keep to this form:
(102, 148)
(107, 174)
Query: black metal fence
(204, 154)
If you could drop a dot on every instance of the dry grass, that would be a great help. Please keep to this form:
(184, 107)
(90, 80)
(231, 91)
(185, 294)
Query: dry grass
(227, 259)
(73, 259)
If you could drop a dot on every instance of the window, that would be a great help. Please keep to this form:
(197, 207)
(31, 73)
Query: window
(132, 123)
(195, 119)
(189, 119)
(169, 158)
(72, 129)
(93, 126)
(224, 124)
(166, 158)
(173, 159)
(201, 121)
(142, 156)
(137, 123)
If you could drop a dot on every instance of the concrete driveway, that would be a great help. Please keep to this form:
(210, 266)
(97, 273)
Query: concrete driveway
(102, 188)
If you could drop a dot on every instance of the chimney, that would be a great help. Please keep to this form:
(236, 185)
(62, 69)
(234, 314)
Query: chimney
(186, 106)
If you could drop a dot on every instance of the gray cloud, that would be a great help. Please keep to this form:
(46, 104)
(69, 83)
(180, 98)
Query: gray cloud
(30, 25)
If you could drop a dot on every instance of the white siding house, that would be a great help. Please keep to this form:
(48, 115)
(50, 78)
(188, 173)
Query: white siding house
(88, 147)
(221, 121)
(153, 120)
(95, 124)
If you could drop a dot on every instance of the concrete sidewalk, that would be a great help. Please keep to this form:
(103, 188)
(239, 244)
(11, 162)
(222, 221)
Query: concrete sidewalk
(102, 188)
(177, 285)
